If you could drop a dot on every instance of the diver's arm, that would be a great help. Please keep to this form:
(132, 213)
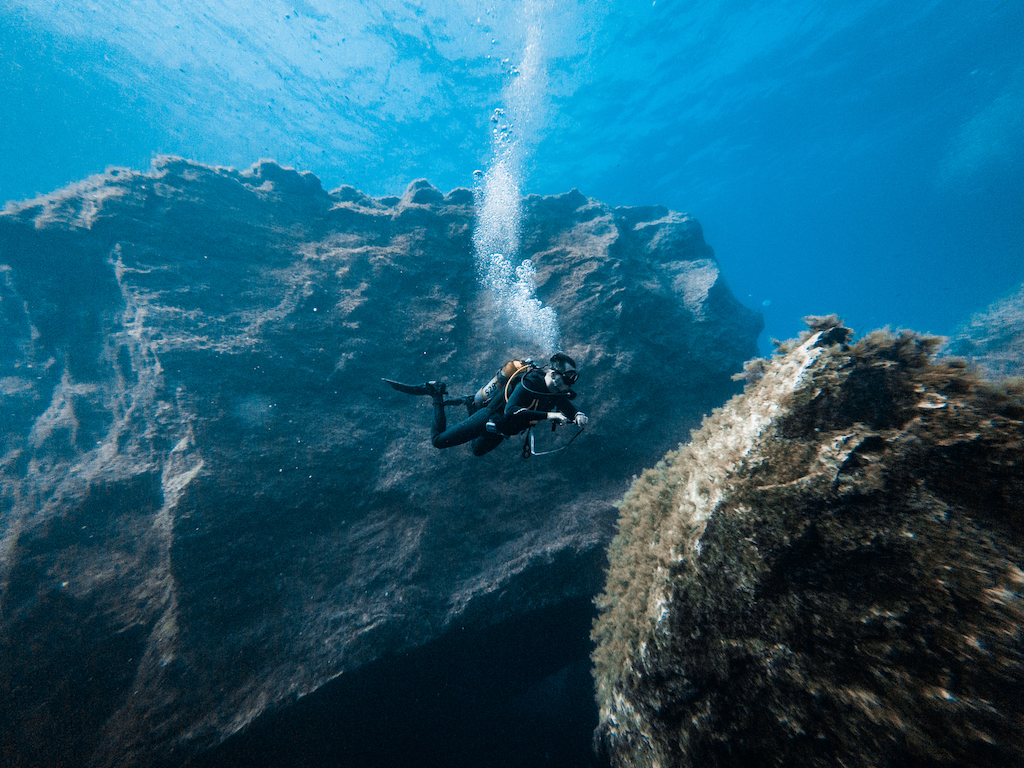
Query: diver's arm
(558, 407)
(517, 402)
(565, 406)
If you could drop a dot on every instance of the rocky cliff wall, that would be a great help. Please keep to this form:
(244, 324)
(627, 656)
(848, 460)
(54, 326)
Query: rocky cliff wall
(210, 503)
(830, 573)
(993, 339)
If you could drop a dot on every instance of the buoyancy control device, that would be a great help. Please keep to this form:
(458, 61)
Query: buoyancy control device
(510, 370)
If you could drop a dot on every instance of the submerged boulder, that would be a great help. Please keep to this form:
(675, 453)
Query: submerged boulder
(830, 573)
(210, 504)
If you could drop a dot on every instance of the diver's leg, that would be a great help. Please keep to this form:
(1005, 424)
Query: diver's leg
(463, 432)
(486, 443)
(440, 420)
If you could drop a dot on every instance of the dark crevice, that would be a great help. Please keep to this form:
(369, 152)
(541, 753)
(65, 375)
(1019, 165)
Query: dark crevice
(513, 695)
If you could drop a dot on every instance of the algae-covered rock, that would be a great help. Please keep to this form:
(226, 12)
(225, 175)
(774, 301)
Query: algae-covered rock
(830, 573)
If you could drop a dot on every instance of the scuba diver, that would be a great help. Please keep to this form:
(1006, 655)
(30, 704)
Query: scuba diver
(519, 396)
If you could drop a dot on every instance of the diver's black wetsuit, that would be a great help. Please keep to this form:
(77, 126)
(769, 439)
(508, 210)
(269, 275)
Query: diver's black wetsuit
(530, 402)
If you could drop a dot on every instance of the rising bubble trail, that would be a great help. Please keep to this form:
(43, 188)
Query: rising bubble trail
(499, 206)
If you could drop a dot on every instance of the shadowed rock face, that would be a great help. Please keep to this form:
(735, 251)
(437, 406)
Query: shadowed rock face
(829, 574)
(210, 503)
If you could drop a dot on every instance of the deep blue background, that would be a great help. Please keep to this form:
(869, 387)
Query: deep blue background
(854, 157)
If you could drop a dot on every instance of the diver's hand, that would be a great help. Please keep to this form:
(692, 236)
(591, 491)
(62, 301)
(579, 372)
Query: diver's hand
(557, 417)
(581, 419)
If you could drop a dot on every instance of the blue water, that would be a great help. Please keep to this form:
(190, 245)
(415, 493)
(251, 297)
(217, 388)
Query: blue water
(863, 157)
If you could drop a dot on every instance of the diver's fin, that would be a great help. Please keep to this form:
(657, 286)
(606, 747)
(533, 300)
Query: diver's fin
(409, 389)
(430, 388)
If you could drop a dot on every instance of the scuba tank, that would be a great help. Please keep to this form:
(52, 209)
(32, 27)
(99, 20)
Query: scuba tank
(500, 380)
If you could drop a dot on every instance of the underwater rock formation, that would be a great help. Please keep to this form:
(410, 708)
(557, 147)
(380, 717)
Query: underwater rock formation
(210, 504)
(993, 339)
(830, 573)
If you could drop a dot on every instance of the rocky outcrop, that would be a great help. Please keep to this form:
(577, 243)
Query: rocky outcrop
(993, 339)
(830, 573)
(210, 504)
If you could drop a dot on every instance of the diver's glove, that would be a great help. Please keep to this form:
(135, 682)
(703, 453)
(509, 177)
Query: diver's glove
(581, 419)
(557, 417)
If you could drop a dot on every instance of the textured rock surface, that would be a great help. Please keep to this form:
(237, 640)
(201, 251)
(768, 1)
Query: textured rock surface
(211, 505)
(829, 574)
(993, 339)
